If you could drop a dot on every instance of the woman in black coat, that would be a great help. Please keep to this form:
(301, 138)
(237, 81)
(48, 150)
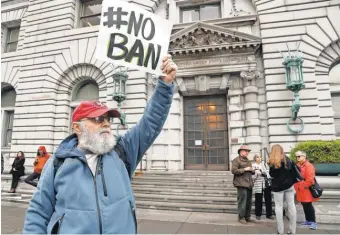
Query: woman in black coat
(18, 170)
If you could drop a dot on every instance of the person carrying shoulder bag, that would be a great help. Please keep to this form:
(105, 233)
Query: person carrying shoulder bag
(262, 188)
(303, 193)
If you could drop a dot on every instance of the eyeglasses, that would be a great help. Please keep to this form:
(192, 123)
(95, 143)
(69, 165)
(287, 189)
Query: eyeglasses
(100, 119)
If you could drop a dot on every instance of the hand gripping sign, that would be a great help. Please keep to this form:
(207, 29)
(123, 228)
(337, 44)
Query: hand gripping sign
(132, 37)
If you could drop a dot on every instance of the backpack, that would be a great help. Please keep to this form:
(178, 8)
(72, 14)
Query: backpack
(119, 150)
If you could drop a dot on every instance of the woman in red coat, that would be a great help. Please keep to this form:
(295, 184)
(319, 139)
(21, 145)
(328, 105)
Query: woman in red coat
(303, 194)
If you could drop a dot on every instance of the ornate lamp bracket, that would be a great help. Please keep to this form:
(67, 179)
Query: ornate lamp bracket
(119, 95)
(294, 82)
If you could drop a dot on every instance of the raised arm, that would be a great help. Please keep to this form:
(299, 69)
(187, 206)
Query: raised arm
(139, 138)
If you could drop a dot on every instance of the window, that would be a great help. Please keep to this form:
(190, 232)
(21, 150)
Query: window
(336, 108)
(85, 90)
(12, 39)
(8, 127)
(8, 97)
(201, 12)
(90, 13)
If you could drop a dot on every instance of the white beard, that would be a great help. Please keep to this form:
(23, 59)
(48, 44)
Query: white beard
(95, 142)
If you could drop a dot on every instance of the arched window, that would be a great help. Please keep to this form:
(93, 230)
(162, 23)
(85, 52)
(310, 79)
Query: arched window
(8, 96)
(334, 79)
(85, 90)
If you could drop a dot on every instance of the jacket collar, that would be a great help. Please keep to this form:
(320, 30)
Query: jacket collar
(243, 159)
(68, 148)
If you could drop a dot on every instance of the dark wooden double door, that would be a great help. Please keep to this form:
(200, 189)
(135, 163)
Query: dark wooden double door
(206, 133)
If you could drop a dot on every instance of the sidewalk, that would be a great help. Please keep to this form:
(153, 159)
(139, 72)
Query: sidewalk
(173, 222)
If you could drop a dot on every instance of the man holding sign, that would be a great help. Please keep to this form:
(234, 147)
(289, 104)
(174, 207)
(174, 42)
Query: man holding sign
(91, 191)
(85, 187)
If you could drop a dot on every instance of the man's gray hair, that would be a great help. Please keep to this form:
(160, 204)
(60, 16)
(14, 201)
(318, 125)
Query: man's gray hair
(301, 153)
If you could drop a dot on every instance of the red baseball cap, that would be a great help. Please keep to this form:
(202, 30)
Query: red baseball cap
(92, 109)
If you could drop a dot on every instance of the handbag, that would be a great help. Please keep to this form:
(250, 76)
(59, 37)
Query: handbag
(316, 189)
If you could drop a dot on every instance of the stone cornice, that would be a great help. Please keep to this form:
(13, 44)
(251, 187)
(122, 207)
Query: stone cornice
(229, 21)
(213, 28)
(201, 37)
(198, 49)
(10, 5)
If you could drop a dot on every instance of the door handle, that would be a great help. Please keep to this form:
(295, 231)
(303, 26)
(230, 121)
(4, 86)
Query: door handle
(206, 147)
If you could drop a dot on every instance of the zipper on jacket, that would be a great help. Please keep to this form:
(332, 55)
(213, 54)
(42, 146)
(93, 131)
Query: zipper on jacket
(96, 191)
(101, 171)
(133, 209)
(60, 221)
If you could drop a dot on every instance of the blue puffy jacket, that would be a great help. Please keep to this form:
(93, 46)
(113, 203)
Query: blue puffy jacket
(76, 202)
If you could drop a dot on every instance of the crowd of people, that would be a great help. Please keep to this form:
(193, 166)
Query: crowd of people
(286, 180)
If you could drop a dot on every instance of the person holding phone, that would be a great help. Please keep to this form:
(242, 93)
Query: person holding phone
(242, 171)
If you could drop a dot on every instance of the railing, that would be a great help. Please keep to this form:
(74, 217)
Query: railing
(6, 153)
(264, 154)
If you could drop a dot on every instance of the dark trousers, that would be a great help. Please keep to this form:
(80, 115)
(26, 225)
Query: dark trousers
(15, 181)
(31, 177)
(268, 201)
(244, 202)
(308, 208)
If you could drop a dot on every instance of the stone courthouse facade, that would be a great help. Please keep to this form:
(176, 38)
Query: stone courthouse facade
(230, 86)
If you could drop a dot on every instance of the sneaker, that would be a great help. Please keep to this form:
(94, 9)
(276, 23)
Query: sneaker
(270, 217)
(249, 220)
(258, 217)
(242, 221)
(306, 223)
(289, 233)
(313, 225)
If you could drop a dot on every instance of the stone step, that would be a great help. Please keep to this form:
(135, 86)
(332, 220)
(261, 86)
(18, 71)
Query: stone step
(186, 199)
(185, 191)
(169, 196)
(13, 200)
(326, 196)
(182, 206)
(185, 180)
(185, 184)
(190, 173)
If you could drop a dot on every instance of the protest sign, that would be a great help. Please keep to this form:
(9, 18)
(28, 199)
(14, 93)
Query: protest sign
(133, 37)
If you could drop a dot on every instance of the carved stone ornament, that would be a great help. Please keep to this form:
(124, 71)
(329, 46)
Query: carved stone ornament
(201, 37)
(250, 75)
(237, 12)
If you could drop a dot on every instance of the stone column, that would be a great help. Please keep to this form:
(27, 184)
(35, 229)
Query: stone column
(166, 153)
(252, 122)
(236, 123)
